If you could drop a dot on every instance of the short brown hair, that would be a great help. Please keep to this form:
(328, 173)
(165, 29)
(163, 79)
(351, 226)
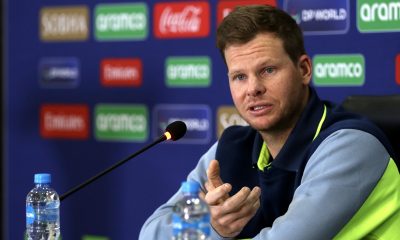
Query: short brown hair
(245, 22)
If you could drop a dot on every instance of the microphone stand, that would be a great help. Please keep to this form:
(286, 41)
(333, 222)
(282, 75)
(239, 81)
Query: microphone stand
(92, 179)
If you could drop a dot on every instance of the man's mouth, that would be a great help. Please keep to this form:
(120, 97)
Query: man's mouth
(257, 108)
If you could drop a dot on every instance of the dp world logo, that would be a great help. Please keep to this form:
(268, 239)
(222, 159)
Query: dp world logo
(378, 15)
(320, 17)
(339, 70)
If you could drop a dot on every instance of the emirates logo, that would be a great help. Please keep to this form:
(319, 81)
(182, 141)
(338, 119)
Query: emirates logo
(181, 20)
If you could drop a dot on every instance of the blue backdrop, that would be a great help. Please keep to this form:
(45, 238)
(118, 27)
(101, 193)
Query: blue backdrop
(54, 68)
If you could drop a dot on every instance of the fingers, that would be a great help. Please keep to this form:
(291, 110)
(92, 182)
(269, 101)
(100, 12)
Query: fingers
(244, 200)
(243, 207)
(229, 214)
(217, 195)
(229, 217)
(213, 174)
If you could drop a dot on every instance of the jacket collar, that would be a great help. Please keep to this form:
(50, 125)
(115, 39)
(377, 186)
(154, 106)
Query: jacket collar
(290, 156)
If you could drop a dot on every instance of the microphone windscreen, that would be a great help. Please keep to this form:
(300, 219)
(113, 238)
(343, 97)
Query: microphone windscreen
(177, 130)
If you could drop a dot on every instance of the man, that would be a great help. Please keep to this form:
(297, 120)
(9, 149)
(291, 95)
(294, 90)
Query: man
(303, 169)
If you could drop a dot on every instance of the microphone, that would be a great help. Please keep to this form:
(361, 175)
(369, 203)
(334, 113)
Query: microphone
(174, 131)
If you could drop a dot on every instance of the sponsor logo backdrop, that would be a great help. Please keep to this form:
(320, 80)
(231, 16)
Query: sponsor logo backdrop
(89, 83)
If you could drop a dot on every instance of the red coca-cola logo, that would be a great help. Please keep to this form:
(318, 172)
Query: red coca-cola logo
(226, 6)
(398, 69)
(181, 20)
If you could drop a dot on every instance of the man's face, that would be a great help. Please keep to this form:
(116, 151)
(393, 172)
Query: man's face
(268, 89)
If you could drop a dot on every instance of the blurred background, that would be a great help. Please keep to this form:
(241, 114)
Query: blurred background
(87, 83)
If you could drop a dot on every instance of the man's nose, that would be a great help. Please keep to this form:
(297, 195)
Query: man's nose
(255, 87)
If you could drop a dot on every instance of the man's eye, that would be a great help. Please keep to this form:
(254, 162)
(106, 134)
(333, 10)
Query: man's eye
(239, 77)
(269, 70)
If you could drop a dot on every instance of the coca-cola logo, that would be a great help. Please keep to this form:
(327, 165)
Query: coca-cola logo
(186, 21)
(181, 20)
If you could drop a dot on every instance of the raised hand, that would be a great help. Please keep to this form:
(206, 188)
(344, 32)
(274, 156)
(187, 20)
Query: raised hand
(229, 214)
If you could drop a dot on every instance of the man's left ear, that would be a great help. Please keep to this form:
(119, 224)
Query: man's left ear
(305, 67)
